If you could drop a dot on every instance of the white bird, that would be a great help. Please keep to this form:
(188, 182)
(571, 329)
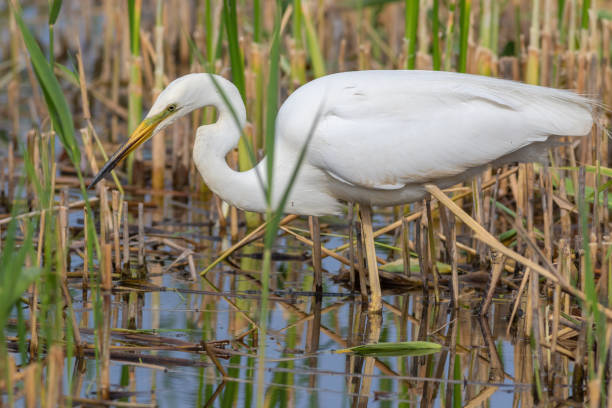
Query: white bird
(372, 137)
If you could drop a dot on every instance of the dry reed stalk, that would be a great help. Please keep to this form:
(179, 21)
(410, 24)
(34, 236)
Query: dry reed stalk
(89, 153)
(85, 278)
(10, 190)
(547, 211)
(108, 36)
(418, 243)
(257, 66)
(533, 57)
(478, 211)
(607, 268)
(55, 364)
(555, 317)
(342, 55)
(34, 289)
(83, 84)
(484, 236)
(431, 243)
(547, 45)
(63, 253)
(365, 56)
(497, 263)
(159, 142)
(104, 334)
(125, 271)
(62, 233)
(116, 217)
(13, 93)
(375, 303)
(297, 58)
(529, 198)
(30, 144)
(2, 185)
(373, 335)
(565, 218)
(484, 55)
(233, 223)
(141, 237)
(580, 238)
(536, 333)
(221, 217)
(351, 236)
(448, 224)
(405, 246)
(31, 384)
(148, 55)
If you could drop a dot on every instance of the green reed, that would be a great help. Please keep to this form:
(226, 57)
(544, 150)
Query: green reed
(464, 29)
(135, 85)
(410, 34)
(435, 35)
(20, 264)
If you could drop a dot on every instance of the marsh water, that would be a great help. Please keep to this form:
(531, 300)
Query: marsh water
(167, 307)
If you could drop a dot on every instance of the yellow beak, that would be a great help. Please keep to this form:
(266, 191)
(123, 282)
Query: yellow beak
(140, 135)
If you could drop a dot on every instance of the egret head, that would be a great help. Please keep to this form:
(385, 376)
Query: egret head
(180, 97)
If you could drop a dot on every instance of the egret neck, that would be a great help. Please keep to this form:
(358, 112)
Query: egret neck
(213, 142)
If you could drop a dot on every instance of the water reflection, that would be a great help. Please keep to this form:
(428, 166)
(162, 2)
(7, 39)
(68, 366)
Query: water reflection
(166, 330)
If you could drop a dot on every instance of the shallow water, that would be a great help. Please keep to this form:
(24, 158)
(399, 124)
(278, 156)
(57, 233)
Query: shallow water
(303, 332)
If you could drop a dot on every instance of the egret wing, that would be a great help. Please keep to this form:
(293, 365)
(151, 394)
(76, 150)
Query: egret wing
(387, 129)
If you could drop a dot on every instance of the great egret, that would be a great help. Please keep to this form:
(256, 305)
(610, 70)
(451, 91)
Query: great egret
(374, 137)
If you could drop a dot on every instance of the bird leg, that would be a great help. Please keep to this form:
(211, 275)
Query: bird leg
(375, 304)
(363, 287)
(315, 234)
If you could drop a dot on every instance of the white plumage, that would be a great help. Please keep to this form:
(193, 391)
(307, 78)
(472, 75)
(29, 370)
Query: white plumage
(377, 136)
(381, 135)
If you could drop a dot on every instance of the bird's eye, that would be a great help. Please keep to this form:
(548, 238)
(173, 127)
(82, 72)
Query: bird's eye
(171, 108)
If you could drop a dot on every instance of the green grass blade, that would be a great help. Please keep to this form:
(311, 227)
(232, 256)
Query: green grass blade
(52, 91)
(314, 50)
(404, 348)
(231, 28)
(410, 34)
(54, 11)
(256, 21)
(457, 386)
(272, 104)
(297, 24)
(584, 22)
(135, 85)
(210, 39)
(435, 36)
(134, 26)
(15, 277)
(464, 30)
(272, 227)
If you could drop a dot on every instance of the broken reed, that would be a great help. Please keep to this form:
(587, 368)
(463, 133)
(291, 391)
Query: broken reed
(573, 53)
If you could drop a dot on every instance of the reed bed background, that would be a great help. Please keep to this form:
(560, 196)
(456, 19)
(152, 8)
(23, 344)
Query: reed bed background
(84, 315)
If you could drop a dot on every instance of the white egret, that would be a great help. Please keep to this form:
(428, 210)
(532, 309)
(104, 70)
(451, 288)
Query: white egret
(374, 137)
